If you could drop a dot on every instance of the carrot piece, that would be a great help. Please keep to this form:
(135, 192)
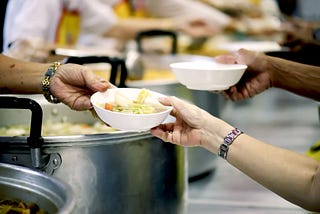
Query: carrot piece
(108, 106)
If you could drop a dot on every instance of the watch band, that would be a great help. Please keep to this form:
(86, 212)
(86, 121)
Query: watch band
(46, 82)
(228, 140)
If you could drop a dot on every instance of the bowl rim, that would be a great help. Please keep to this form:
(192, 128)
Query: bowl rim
(167, 108)
(204, 66)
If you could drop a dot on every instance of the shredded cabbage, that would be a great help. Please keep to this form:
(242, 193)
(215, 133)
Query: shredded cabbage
(137, 106)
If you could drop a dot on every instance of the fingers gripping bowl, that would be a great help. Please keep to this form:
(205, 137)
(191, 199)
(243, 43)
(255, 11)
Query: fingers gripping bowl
(130, 109)
(207, 75)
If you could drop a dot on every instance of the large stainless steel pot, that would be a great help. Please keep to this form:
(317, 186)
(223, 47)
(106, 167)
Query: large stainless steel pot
(29, 186)
(108, 172)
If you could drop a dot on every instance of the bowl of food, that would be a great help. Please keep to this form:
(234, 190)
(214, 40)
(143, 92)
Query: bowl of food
(211, 76)
(130, 109)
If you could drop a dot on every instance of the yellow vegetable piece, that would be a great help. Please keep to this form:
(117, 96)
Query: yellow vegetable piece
(314, 151)
(142, 96)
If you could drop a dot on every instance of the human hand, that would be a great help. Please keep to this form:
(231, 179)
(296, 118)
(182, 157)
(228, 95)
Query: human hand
(256, 78)
(74, 84)
(297, 33)
(193, 126)
(187, 129)
(197, 28)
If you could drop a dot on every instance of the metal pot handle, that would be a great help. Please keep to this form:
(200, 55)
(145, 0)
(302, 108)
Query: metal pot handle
(35, 141)
(115, 63)
(153, 33)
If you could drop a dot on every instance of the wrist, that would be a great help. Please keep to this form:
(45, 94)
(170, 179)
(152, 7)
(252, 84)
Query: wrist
(214, 133)
(272, 69)
(46, 82)
(229, 138)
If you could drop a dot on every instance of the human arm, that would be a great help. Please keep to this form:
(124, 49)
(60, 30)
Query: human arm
(275, 168)
(265, 71)
(299, 33)
(182, 9)
(99, 18)
(126, 29)
(72, 84)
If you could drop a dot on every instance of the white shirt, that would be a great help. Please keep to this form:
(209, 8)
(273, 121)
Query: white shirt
(30, 19)
(27, 19)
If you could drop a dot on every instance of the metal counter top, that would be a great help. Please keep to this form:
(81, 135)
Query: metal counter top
(275, 116)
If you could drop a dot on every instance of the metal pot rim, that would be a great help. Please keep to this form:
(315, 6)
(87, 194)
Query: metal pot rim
(58, 185)
(81, 140)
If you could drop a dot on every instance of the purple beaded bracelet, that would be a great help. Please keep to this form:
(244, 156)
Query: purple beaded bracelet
(228, 140)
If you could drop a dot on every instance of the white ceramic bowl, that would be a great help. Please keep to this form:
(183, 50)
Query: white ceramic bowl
(127, 121)
(209, 76)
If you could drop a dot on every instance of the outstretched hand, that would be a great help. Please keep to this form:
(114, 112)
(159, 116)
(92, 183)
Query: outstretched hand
(187, 129)
(74, 84)
(256, 78)
(198, 28)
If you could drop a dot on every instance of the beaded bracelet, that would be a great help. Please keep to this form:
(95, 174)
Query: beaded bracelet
(228, 140)
(46, 82)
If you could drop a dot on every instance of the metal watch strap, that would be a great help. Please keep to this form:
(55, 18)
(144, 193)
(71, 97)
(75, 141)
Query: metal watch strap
(46, 82)
(223, 151)
(228, 140)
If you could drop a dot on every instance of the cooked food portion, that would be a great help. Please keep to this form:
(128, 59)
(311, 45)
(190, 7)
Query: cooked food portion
(19, 207)
(50, 128)
(143, 104)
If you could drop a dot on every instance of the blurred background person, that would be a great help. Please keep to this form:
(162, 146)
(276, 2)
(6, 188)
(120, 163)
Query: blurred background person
(301, 31)
(255, 25)
(250, 16)
(34, 27)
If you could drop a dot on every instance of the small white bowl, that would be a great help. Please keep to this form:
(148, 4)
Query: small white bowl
(210, 76)
(128, 121)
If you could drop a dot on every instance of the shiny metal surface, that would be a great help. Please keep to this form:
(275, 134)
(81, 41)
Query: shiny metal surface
(276, 117)
(200, 163)
(50, 194)
(129, 173)
(109, 172)
(120, 173)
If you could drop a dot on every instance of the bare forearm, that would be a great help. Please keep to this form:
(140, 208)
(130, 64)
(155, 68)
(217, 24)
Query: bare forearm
(295, 77)
(277, 169)
(128, 28)
(293, 176)
(20, 77)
